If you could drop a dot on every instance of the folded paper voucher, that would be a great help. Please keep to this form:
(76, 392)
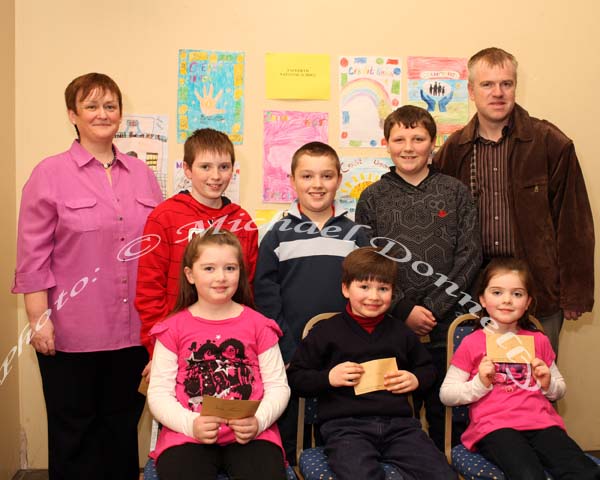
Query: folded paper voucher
(372, 380)
(229, 409)
(510, 348)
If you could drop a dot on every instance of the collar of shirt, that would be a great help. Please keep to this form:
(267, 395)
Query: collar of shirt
(82, 157)
(506, 131)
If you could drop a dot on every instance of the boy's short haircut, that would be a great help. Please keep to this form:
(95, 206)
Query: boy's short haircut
(411, 117)
(316, 149)
(367, 263)
(207, 140)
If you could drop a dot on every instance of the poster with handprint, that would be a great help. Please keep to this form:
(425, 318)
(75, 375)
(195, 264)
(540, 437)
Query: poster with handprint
(369, 92)
(210, 93)
(439, 85)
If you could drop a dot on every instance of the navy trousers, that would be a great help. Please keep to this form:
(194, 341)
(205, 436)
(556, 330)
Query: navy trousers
(355, 447)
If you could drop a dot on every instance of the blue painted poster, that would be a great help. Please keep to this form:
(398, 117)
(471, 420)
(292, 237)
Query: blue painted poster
(210, 93)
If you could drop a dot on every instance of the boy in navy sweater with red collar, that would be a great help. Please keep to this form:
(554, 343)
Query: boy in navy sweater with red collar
(360, 431)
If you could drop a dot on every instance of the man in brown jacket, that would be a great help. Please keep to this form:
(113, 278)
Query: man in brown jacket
(525, 177)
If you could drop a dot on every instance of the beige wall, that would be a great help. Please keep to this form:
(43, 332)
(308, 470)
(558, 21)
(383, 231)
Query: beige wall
(136, 42)
(9, 390)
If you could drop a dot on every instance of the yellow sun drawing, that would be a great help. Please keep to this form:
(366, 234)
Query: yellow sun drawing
(356, 186)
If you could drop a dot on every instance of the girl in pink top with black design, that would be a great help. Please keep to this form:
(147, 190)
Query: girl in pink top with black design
(216, 345)
(512, 422)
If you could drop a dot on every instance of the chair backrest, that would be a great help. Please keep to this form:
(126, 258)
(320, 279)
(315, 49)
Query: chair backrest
(307, 407)
(457, 331)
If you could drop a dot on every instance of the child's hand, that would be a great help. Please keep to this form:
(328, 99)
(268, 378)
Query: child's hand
(420, 320)
(245, 429)
(146, 372)
(345, 374)
(400, 381)
(487, 370)
(541, 373)
(206, 428)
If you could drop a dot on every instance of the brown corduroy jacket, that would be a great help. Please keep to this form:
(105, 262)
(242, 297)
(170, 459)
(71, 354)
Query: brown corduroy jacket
(551, 214)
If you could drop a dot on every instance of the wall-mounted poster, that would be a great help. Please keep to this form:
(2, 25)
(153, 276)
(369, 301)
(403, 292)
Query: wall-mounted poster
(369, 92)
(357, 174)
(284, 133)
(440, 85)
(297, 76)
(210, 93)
(145, 137)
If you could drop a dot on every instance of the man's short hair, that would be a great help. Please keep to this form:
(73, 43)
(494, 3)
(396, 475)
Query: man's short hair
(493, 57)
(367, 263)
(316, 149)
(410, 116)
(207, 140)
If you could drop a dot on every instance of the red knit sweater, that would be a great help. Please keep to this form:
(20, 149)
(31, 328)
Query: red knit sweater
(158, 271)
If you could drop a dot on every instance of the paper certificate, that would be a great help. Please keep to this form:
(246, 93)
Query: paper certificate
(229, 409)
(372, 380)
(510, 348)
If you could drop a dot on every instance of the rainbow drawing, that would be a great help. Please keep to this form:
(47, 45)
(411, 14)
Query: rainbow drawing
(369, 91)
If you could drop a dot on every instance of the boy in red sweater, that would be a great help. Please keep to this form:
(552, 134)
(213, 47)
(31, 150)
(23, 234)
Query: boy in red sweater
(208, 162)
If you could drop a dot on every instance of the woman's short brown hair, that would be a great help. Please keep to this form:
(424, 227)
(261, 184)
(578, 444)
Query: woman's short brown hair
(84, 85)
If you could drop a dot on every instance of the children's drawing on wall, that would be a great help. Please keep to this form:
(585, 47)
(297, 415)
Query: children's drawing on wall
(440, 85)
(284, 133)
(181, 182)
(145, 137)
(210, 93)
(369, 91)
(357, 174)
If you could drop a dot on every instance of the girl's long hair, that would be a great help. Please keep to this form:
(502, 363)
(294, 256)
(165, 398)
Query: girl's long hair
(505, 265)
(187, 292)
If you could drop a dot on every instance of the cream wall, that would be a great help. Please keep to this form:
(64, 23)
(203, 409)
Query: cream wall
(9, 389)
(137, 42)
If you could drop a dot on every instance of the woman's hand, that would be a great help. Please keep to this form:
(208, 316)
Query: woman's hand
(487, 370)
(541, 373)
(206, 428)
(42, 328)
(245, 429)
(345, 374)
(42, 337)
(400, 381)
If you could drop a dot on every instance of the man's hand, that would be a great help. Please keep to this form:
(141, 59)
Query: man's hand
(571, 314)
